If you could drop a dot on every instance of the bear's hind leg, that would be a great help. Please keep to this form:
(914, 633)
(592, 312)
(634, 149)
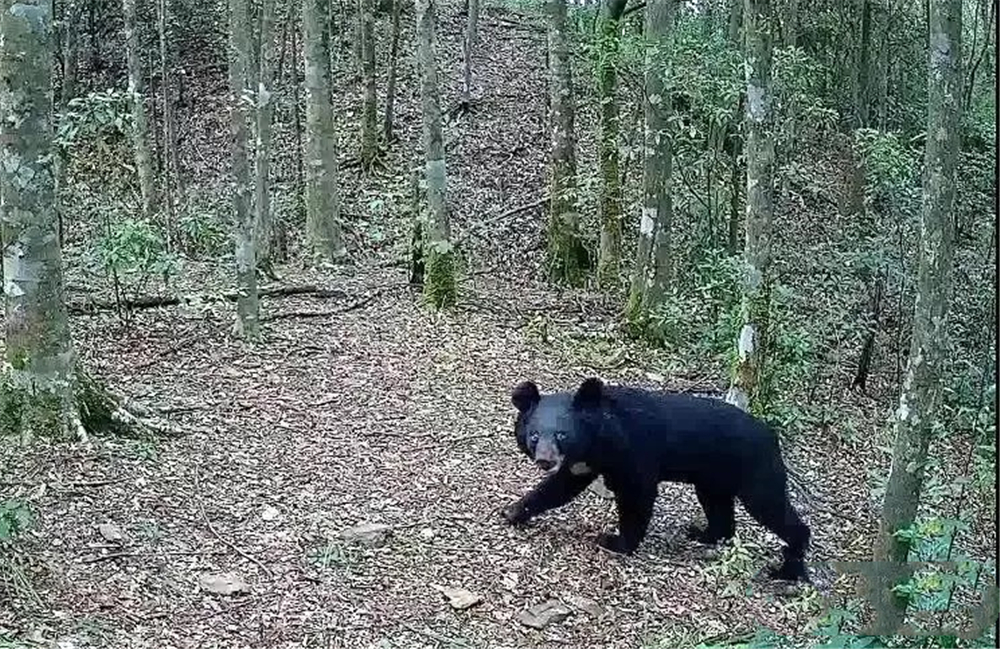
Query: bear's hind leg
(555, 490)
(720, 513)
(773, 510)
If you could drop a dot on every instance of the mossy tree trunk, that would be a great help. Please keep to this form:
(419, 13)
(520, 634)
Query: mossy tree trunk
(921, 397)
(610, 205)
(747, 389)
(439, 283)
(390, 86)
(140, 136)
(170, 168)
(247, 304)
(321, 168)
(651, 275)
(369, 113)
(265, 109)
(43, 391)
(567, 258)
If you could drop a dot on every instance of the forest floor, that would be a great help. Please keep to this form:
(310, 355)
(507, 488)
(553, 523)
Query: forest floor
(370, 409)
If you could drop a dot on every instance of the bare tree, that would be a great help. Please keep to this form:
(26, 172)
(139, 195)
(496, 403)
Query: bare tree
(265, 108)
(921, 396)
(609, 43)
(746, 388)
(140, 137)
(322, 182)
(567, 259)
(652, 265)
(247, 305)
(390, 88)
(439, 283)
(369, 113)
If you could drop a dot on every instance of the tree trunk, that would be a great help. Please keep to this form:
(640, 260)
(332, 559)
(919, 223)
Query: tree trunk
(864, 71)
(566, 256)
(611, 190)
(390, 88)
(247, 306)
(468, 44)
(71, 58)
(921, 395)
(747, 388)
(43, 392)
(651, 276)
(439, 285)
(143, 150)
(369, 113)
(791, 34)
(265, 108)
(169, 170)
(735, 22)
(322, 181)
(300, 176)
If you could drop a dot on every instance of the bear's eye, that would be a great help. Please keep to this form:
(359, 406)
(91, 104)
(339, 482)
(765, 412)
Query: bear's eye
(534, 436)
(560, 436)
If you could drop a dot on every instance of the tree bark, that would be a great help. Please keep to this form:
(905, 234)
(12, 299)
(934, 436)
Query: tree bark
(468, 44)
(651, 276)
(369, 112)
(39, 350)
(862, 99)
(72, 14)
(566, 256)
(610, 206)
(170, 169)
(921, 395)
(439, 285)
(265, 109)
(390, 88)
(140, 138)
(747, 389)
(322, 172)
(247, 305)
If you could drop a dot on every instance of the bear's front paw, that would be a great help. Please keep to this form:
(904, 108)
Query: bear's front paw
(701, 534)
(612, 542)
(515, 513)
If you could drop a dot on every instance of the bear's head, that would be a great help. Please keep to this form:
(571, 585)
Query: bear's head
(556, 428)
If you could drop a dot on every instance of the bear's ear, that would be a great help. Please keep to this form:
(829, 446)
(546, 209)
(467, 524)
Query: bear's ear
(590, 392)
(525, 396)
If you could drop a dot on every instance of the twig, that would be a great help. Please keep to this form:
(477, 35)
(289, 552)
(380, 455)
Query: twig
(125, 555)
(227, 542)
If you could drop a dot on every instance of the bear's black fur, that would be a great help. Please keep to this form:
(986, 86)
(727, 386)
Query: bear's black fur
(636, 439)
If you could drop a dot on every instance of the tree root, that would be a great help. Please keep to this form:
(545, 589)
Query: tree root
(103, 410)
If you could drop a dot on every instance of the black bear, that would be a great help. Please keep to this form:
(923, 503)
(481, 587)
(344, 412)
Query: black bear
(636, 439)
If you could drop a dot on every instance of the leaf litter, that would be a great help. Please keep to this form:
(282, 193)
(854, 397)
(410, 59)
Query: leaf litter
(384, 421)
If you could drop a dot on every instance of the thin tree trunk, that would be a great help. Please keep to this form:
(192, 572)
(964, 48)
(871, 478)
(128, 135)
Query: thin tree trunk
(609, 259)
(566, 256)
(300, 176)
(440, 285)
(864, 71)
(736, 22)
(651, 276)
(71, 57)
(747, 387)
(736, 145)
(970, 85)
(169, 170)
(369, 111)
(322, 182)
(921, 396)
(390, 88)
(247, 306)
(141, 142)
(265, 109)
(468, 45)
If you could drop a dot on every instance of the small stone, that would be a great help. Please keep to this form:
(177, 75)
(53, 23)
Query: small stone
(372, 534)
(110, 532)
(459, 598)
(427, 533)
(270, 513)
(542, 615)
(225, 583)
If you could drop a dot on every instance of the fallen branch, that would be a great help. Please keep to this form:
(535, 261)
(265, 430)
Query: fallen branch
(92, 306)
(232, 546)
(503, 215)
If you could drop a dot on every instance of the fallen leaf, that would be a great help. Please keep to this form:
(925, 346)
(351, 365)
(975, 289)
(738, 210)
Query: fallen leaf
(225, 583)
(459, 598)
(110, 532)
(367, 533)
(541, 615)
